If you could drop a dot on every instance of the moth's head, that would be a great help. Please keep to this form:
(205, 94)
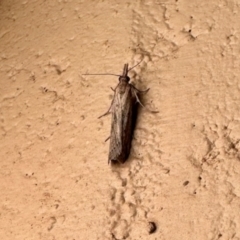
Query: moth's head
(124, 78)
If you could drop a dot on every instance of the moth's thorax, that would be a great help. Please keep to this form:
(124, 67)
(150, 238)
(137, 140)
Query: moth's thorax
(123, 84)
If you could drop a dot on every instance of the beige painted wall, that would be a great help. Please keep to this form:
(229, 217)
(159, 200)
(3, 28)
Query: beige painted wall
(184, 170)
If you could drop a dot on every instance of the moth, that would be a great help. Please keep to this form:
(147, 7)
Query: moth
(124, 110)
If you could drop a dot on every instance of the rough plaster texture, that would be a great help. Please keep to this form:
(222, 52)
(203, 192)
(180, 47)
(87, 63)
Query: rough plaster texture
(184, 169)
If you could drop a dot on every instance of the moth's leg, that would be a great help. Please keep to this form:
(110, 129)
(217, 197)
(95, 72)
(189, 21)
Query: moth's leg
(107, 139)
(108, 111)
(138, 100)
(114, 89)
(144, 91)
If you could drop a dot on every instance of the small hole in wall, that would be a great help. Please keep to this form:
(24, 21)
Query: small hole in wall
(185, 183)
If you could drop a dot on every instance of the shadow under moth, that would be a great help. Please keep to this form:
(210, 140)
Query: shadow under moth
(124, 112)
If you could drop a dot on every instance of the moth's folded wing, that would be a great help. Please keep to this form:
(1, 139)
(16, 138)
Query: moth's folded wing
(115, 150)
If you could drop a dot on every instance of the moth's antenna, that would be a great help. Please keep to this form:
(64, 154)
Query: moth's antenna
(135, 65)
(111, 74)
(102, 74)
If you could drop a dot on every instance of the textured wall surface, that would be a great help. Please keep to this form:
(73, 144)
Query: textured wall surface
(183, 172)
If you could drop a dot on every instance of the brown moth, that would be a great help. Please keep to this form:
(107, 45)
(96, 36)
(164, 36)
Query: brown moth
(123, 109)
